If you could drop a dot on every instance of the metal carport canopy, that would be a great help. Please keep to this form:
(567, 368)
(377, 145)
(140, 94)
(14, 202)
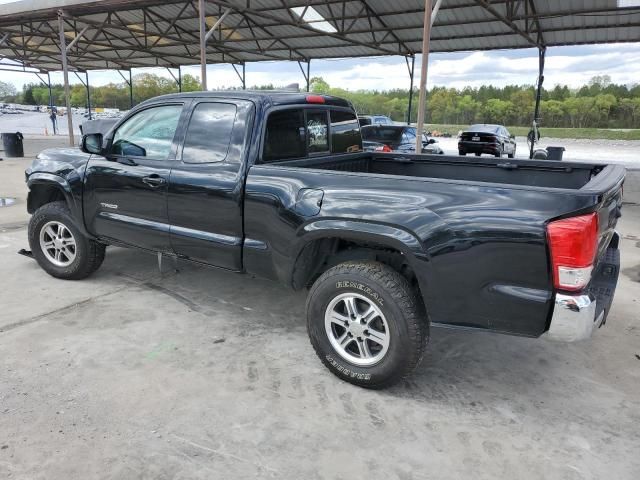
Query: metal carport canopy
(121, 34)
(149, 33)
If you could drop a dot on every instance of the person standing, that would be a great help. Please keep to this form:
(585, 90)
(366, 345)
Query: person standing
(54, 120)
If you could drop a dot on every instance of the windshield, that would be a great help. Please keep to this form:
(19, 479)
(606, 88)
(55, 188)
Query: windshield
(381, 134)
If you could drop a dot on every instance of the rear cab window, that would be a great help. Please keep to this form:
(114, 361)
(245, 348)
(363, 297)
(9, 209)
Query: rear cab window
(294, 133)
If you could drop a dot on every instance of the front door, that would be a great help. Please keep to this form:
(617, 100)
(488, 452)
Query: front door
(206, 185)
(125, 195)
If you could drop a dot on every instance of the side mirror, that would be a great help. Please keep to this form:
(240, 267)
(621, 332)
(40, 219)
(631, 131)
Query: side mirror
(432, 141)
(92, 143)
(512, 136)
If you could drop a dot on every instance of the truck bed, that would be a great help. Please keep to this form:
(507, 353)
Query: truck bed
(530, 173)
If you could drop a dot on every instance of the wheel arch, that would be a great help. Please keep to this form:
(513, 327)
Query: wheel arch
(328, 243)
(47, 188)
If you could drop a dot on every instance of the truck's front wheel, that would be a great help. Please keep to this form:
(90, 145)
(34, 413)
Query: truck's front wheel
(366, 324)
(59, 247)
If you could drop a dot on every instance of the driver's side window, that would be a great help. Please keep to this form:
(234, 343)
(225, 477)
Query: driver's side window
(148, 133)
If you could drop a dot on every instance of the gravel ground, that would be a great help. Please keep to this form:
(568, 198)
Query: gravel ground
(201, 374)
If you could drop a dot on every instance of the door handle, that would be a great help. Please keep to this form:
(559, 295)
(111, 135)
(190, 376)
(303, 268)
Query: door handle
(154, 180)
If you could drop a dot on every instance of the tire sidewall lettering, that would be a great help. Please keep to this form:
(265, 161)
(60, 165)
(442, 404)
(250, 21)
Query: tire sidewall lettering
(361, 287)
(347, 372)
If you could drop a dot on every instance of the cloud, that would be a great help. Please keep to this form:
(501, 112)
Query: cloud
(572, 66)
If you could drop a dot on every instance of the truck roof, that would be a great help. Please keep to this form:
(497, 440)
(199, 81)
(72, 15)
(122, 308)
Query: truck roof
(273, 97)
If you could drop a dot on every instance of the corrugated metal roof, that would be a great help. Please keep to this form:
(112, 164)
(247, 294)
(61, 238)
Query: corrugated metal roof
(124, 34)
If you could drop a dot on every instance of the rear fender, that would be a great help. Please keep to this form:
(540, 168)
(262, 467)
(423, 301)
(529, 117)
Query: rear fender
(381, 235)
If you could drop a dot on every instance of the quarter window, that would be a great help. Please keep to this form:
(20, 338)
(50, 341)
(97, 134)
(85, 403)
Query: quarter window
(345, 132)
(285, 135)
(209, 133)
(148, 133)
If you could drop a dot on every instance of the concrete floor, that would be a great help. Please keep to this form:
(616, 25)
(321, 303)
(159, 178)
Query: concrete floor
(201, 374)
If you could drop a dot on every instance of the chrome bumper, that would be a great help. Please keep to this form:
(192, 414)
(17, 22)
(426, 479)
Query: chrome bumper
(574, 318)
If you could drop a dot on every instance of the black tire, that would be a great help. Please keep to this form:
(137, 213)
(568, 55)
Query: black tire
(391, 293)
(500, 152)
(478, 154)
(461, 153)
(89, 254)
(512, 155)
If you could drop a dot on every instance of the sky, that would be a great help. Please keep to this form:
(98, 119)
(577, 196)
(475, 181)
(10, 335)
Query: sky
(572, 66)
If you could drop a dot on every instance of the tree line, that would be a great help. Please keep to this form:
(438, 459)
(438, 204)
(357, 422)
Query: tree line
(600, 103)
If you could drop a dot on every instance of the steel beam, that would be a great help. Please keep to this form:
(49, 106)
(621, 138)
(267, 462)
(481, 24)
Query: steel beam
(307, 74)
(65, 73)
(536, 111)
(411, 70)
(217, 24)
(241, 76)
(177, 79)
(77, 37)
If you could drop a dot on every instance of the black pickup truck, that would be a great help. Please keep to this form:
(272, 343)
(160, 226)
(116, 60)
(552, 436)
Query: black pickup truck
(277, 185)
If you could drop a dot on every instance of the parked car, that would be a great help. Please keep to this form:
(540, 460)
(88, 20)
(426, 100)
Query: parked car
(492, 139)
(374, 120)
(388, 246)
(396, 138)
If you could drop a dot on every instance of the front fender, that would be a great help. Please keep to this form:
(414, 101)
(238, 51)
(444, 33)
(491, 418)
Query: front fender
(72, 195)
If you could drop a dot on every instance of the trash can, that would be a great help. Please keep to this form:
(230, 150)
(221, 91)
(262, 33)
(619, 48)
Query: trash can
(555, 153)
(12, 144)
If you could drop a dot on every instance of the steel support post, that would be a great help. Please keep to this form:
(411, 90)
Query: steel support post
(203, 44)
(536, 112)
(426, 36)
(65, 72)
(411, 70)
(88, 94)
(179, 79)
(130, 90)
(306, 73)
(55, 130)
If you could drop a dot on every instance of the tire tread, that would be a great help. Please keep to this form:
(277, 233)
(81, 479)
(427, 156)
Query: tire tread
(406, 297)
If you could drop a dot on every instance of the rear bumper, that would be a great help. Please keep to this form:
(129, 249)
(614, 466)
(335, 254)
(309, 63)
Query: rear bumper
(576, 317)
(478, 147)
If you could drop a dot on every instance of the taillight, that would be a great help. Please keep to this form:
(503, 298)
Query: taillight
(573, 243)
(315, 99)
(384, 148)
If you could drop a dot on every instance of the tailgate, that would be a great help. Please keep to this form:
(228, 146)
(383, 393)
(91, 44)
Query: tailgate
(609, 211)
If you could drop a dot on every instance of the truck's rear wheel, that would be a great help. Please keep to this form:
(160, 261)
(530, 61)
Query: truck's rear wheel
(366, 324)
(59, 247)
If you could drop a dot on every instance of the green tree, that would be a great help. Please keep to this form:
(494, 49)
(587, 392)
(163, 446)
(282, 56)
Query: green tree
(552, 112)
(468, 109)
(191, 83)
(318, 85)
(7, 90)
(497, 111)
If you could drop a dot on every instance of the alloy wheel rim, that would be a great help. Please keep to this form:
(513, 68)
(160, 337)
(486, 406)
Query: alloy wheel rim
(58, 244)
(357, 329)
